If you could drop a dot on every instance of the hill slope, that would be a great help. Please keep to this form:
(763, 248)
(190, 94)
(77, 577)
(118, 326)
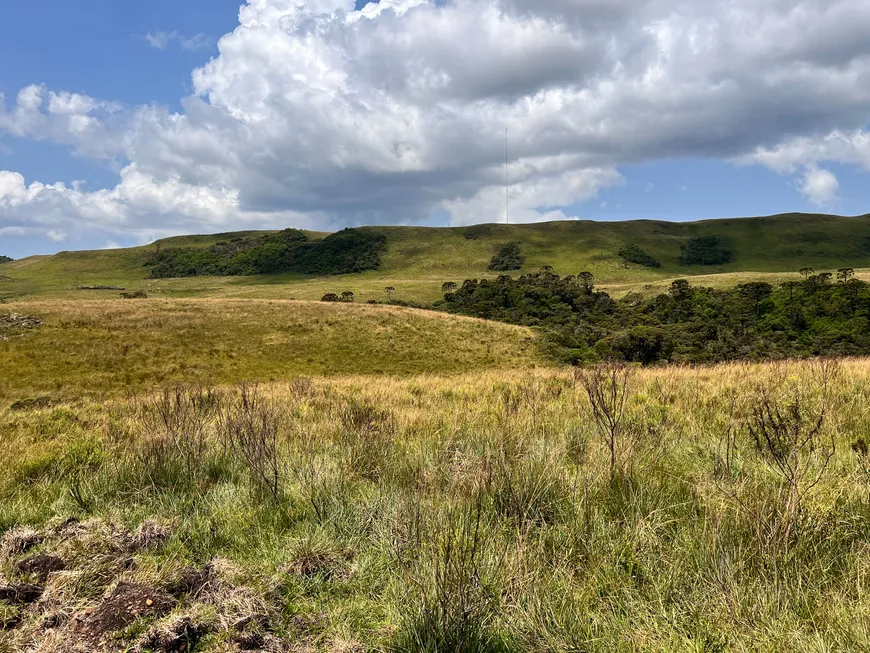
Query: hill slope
(110, 346)
(418, 259)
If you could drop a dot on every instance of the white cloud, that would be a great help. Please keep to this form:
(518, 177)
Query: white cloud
(162, 40)
(819, 186)
(316, 114)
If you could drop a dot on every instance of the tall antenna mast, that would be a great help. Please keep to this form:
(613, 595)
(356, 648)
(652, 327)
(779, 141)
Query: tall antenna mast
(506, 200)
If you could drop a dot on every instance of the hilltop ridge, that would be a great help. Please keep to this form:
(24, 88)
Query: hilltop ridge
(417, 260)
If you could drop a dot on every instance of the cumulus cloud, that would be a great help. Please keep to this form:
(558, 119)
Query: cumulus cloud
(819, 186)
(316, 114)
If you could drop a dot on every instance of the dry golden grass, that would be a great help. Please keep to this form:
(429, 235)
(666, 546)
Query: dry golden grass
(87, 347)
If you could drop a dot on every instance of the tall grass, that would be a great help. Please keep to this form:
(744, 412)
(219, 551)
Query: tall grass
(486, 512)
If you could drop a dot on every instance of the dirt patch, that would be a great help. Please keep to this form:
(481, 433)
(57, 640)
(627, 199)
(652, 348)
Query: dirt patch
(21, 594)
(10, 321)
(40, 565)
(120, 609)
(180, 636)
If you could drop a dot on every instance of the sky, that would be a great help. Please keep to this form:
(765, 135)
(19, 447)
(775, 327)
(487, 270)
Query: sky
(124, 122)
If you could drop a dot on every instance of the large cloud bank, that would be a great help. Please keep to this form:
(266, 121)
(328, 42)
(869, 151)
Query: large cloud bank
(314, 114)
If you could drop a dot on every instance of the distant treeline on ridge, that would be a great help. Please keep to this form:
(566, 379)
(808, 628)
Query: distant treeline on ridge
(290, 250)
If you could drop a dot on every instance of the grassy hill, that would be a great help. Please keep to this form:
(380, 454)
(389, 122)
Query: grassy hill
(418, 259)
(90, 347)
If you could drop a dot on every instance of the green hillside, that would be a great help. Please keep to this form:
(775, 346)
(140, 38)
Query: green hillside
(418, 259)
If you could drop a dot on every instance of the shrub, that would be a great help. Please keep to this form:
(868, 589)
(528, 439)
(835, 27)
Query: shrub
(634, 254)
(5, 259)
(706, 250)
(330, 297)
(138, 294)
(507, 258)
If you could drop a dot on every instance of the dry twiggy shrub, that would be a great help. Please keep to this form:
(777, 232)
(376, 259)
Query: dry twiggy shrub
(248, 423)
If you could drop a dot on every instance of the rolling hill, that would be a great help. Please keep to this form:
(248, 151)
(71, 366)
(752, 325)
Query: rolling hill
(417, 260)
(91, 348)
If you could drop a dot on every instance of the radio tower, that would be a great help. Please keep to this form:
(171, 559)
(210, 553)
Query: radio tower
(506, 199)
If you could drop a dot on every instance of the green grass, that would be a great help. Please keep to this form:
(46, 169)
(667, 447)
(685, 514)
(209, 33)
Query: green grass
(88, 347)
(418, 259)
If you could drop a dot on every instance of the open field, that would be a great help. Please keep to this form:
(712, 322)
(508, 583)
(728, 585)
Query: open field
(103, 347)
(226, 466)
(432, 513)
(418, 260)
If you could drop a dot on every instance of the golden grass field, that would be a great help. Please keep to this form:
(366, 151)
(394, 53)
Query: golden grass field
(103, 347)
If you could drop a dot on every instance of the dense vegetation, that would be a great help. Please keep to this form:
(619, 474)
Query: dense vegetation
(507, 258)
(706, 250)
(812, 317)
(5, 259)
(290, 250)
(634, 254)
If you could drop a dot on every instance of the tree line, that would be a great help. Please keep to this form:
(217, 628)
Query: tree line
(810, 316)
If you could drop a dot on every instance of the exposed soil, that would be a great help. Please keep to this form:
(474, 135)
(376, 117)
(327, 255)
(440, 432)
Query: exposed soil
(40, 565)
(120, 609)
(21, 593)
(179, 637)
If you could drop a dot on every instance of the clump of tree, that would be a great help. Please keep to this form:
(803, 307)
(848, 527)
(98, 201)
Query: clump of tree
(753, 321)
(449, 286)
(5, 259)
(706, 250)
(291, 250)
(507, 258)
(478, 231)
(346, 296)
(634, 254)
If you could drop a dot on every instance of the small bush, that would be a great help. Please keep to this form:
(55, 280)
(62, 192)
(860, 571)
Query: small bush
(634, 254)
(706, 250)
(139, 294)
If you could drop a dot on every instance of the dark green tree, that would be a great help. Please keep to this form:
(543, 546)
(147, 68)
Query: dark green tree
(587, 280)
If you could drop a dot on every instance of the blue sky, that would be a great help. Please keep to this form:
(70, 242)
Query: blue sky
(279, 152)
